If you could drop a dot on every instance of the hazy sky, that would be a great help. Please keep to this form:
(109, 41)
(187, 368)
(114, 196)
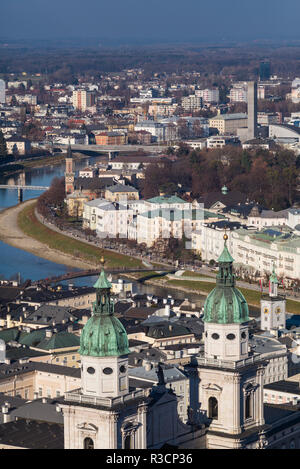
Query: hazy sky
(153, 20)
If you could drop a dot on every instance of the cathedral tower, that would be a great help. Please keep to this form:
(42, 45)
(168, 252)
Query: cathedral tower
(104, 348)
(230, 377)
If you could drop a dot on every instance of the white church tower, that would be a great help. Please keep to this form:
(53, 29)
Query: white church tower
(105, 413)
(230, 377)
(102, 414)
(273, 307)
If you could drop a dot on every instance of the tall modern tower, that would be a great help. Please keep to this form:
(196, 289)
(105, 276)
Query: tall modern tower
(252, 110)
(264, 71)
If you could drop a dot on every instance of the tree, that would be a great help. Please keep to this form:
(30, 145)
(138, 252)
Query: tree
(3, 146)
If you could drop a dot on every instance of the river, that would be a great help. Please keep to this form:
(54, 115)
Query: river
(16, 263)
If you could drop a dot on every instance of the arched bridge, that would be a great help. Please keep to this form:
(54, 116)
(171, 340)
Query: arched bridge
(92, 272)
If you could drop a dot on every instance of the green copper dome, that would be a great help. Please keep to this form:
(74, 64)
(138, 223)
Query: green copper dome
(103, 335)
(226, 304)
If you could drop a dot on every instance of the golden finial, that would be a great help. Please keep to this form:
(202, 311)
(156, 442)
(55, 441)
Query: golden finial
(225, 237)
(102, 261)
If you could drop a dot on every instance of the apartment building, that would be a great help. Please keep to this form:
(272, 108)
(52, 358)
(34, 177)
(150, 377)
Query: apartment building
(209, 95)
(82, 99)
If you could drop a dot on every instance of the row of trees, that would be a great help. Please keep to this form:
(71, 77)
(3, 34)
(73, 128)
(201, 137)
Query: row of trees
(53, 198)
(269, 178)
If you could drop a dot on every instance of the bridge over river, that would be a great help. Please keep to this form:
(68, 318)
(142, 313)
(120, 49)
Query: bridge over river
(92, 272)
(22, 187)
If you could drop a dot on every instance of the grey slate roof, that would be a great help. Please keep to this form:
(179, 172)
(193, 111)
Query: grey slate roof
(32, 434)
(7, 371)
(42, 410)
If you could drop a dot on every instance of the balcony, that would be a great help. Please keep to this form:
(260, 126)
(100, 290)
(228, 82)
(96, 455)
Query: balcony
(76, 396)
(216, 363)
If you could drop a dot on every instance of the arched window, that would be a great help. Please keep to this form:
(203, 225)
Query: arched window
(88, 443)
(127, 442)
(213, 408)
(248, 406)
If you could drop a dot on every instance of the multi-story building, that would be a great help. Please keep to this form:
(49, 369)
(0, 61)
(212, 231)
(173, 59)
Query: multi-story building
(258, 251)
(83, 99)
(121, 192)
(239, 93)
(263, 218)
(18, 145)
(219, 141)
(192, 103)
(228, 123)
(111, 138)
(165, 223)
(156, 129)
(111, 218)
(209, 95)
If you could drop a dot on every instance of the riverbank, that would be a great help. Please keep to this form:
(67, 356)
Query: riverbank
(10, 233)
(20, 228)
(36, 163)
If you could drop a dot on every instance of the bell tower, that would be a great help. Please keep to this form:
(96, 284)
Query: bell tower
(230, 376)
(69, 173)
(104, 348)
(273, 307)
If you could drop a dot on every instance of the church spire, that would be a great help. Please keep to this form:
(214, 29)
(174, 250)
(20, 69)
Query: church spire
(273, 283)
(69, 150)
(225, 275)
(103, 303)
(103, 335)
(226, 304)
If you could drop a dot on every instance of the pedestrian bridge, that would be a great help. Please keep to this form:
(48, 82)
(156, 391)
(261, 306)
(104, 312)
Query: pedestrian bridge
(20, 186)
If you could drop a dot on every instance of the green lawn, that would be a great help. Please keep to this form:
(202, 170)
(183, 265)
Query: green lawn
(29, 224)
(252, 297)
(190, 273)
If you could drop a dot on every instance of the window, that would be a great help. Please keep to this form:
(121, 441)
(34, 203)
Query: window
(215, 336)
(88, 443)
(230, 336)
(248, 406)
(213, 408)
(90, 370)
(40, 392)
(108, 371)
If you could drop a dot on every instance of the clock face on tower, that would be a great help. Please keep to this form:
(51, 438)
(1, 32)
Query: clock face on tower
(278, 310)
(266, 310)
(69, 178)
